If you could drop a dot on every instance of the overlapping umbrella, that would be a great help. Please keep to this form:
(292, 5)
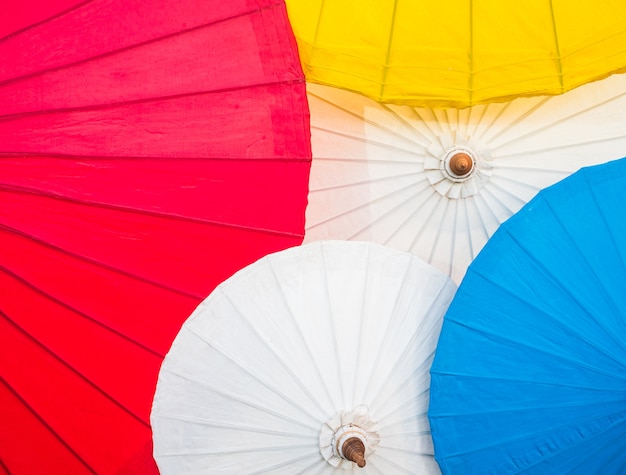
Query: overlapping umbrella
(528, 375)
(301, 356)
(148, 150)
(394, 174)
(458, 53)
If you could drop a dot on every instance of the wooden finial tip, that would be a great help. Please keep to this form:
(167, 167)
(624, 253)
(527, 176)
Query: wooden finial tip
(461, 164)
(354, 450)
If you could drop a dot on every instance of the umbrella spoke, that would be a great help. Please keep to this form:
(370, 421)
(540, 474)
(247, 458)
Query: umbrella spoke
(50, 429)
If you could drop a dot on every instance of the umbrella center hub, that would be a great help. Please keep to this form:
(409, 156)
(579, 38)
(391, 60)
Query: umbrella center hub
(458, 164)
(457, 167)
(348, 439)
(349, 443)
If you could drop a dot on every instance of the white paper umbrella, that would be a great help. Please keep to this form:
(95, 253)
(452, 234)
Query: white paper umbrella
(439, 182)
(299, 353)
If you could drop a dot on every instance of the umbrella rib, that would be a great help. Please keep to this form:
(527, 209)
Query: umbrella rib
(429, 194)
(495, 119)
(373, 222)
(86, 316)
(455, 233)
(286, 463)
(170, 97)
(503, 188)
(361, 343)
(196, 452)
(500, 378)
(443, 215)
(48, 427)
(600, 212)
(387, 329)
(558, 56)
(72, 369)
(466, 215)
(503, 441)
(368, 161)
(397, 468)
(410, 433)
(401, 407)
(564, 146)
(587, 448)
(301, 336)
(433, 323)
(589, 454)
(422, 368)
(330, 317)
(593, 272)
(452, 118)
(67, 156)
(487, 193)
(317, 31)
(486, 208)
(145, 212)
(419, 135)
(319, 463)
(236, 427)
(237, 398)
(371, 465)
(437, 199)
(441, 415)
(545, 127)
(252, 374)
(520, 118)
(464, 122)
(516, 168)
(441, 118)
(124, 48)
(470, 79)
(365, 205)
(573, 296)
(367, 181)
(97, 263)
(278, 357)
(420, 114)
(383, 79)
(481, 110)
(407, 451)
(363, 120)
(565, 329)
(78, 6)
(491, 187)
(367, 141)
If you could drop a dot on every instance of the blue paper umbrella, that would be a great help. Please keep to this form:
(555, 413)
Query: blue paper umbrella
(530, 370)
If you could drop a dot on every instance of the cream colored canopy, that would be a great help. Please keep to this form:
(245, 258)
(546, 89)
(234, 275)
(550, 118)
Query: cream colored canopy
(387, 174)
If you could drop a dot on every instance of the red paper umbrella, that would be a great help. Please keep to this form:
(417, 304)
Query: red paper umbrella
(148, 150)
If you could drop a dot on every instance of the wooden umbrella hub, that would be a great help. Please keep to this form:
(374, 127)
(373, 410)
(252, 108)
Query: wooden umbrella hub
(461, 164)
(350, 443)
(458, 164)
(353, 449)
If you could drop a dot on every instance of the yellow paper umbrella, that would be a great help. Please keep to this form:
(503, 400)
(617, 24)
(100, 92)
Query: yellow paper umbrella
(458, 53)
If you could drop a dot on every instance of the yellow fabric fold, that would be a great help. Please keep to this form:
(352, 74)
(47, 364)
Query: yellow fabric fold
(458, 53)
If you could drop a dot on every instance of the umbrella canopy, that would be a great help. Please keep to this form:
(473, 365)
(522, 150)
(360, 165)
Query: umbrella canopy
(148, 150)
(458, 53)
(528, 375)
(439, 183)
(301, 360)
